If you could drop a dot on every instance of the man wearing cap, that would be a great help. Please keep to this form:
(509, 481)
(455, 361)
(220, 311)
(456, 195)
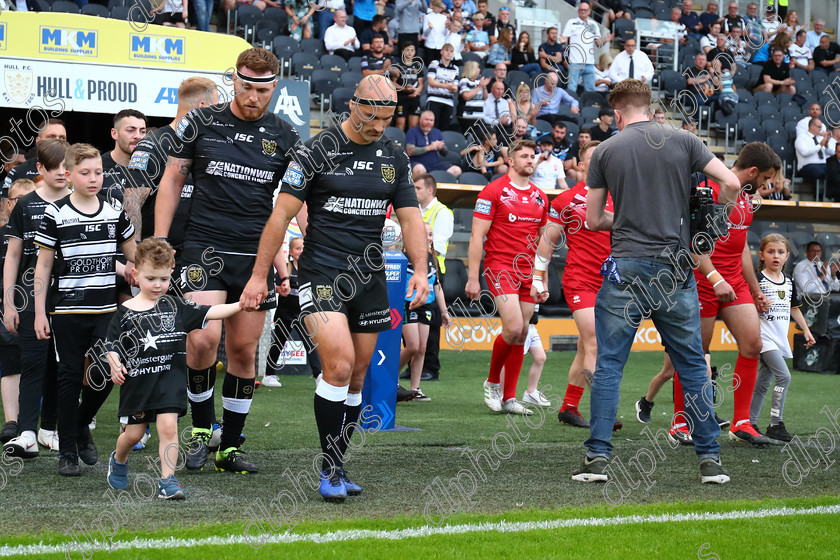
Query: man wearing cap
(236, 153)
(549, 172)
(343, 295)
(605, 129)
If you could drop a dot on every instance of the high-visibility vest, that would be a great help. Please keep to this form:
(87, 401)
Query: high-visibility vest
(781, 2)
(429, 217)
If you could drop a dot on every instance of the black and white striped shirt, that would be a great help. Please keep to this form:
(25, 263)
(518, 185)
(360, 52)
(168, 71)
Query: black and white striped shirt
(86, 246)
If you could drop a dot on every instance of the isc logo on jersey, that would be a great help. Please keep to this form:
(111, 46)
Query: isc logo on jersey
(156, 48)
(69, 41)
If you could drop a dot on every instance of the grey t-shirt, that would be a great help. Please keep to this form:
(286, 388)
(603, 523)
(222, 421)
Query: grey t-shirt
(647, 168)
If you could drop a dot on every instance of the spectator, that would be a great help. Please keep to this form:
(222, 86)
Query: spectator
(482, 8)
(520, 132)
(727, 95)
(523, 58)
(379, 26)
(777, 188)
(561, 144)
(813, 276)
(173, 13)
(325, 15)
(676, 14)
(499, 74)
(709, 17)
(549, 172)
(486, 158)
(460, 5)
(771, 24)
(28, 6)
(689, 18)
(659, 116)
(424, 146)
(738, 48)
(605, 127)
(570, 164)
(603, 82)
(522, 102)
(583, 36)
(812, 39)
(775, 75)
(434, 31)
(754, 28)
(800, 55)
(472, 91)
(478, 41)
(709, 41)
(827, 55)
(811, 151)
(698, 80)
(502, 22)
(363, 13)
(442, 87)
(408, 14)
(631, 63)
(832, 173)
(549, 97)
(618, 9)
(340, 38)
(408, 97)
(791, 25)
(551, 52)
(455, 37)
(300, 18)
(499, 111)
(732, 19)
(501, 49)
(720, 58)
(376, 62)
(782, 9)
(814, 112)
(780, 41)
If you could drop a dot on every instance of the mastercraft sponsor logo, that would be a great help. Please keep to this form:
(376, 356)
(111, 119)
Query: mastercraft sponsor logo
(69, 41)
(147, 47)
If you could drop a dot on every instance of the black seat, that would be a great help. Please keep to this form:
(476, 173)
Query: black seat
(443, 176)
(396, 135)
(97, 10)
(66, 7)
(472, 178)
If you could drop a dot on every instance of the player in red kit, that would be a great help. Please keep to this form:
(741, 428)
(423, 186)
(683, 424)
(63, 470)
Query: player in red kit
(581, 279)
(728, 288)
(511, 212)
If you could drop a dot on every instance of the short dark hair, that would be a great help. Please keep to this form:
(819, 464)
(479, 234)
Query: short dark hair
(125, 113)
(559, 124)
(760, 155)
(377, 19)
(801, 32)
(585, 130)
(811, 244)
(49, 122)
(429, 180)
(521, 145)
(51, 152)
(377, 36)
(408, 43)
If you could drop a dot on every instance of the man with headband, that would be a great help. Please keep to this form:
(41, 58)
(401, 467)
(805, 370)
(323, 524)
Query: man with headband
(236, 152)
(347, 175)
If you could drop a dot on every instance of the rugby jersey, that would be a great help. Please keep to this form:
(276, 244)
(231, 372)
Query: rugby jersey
(24, 223)
(86, 247)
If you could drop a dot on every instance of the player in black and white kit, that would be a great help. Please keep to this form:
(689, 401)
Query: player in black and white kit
(347, 175)
(237, 154)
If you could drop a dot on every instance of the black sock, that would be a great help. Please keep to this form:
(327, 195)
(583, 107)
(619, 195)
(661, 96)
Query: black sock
(200, 384)
(236, 402)
(351, 419)
(329, 415)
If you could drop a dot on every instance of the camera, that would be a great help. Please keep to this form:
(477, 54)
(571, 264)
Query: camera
(708, 221)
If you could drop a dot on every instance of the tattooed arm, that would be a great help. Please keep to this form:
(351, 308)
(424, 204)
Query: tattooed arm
(133, 200)
(169, 193)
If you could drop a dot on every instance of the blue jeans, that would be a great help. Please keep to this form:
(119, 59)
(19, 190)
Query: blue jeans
(325, 19)
(584, 71)
(203, 12)
(531, 69)
(619, 310)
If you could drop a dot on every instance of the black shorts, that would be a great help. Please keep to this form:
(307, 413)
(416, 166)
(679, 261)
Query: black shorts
(9, 355)
(365, 304)
(204, 270)
(407, 106)
(427, 314)
(149, 416)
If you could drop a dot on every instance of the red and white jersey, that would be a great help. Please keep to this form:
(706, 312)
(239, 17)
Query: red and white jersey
(728, 251)
(587, 249)
(517, 216)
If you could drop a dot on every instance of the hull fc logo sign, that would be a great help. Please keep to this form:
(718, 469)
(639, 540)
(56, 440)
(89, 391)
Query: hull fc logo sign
(18, 82)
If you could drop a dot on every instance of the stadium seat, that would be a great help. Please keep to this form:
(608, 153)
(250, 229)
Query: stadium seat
(728, 125)
(754, 72)
(488, 73)
(396, 135)
(312, 46)
(589, 116)
(751, 130)
(114, 3)
(565, 114)
(323, 83)
(790, 131)
(97, 10)
(745, 96)
(765, 98)
(767, 111)
(790, 114)
(515, 77)
(355, 64)
(265, 32)
(351, 79)
(463, 218)
(624, 29)
(284, 48)
(334, 63)
(453, 284)
(245, 19)
(467, 56)
(543, 127)
(801, 227)
(672, 82)
(472, 178)
(636, 4)
(341, 99)
(443, 176)
(772, 127)
(592, 99)
(65, 7)
(800, 75)
(828, 239)
(119, 12)
(643, 13)
(572, 131)
(555, 304)
(455, 141)
(279, 15)
(303, 64)
(746, 111)
(779, 143)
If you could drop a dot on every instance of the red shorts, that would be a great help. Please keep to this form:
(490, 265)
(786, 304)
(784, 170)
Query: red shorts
(580, 288)
(508, 282)
(709, 303)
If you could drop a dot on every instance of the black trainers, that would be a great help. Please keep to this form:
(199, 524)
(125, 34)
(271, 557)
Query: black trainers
(745, 433)
(721, 422)
(230, 460)
(591, 470)
(10, 431)
(404, 395)
(87, 450)
(778, 432)
(712, 472)
(643, 408)
(572, 417)
(68, 465)
(197, 453)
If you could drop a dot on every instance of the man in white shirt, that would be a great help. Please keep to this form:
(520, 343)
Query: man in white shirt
(800, 55)
(497, 108)
(812, 151)
(549, 172)
(340, 38)
(814, 112)
(326, 15)
(812, 38)
(812, 276)
(583, 36)
(631, 63)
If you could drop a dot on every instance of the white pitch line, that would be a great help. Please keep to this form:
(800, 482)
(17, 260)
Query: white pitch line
(426, 531)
